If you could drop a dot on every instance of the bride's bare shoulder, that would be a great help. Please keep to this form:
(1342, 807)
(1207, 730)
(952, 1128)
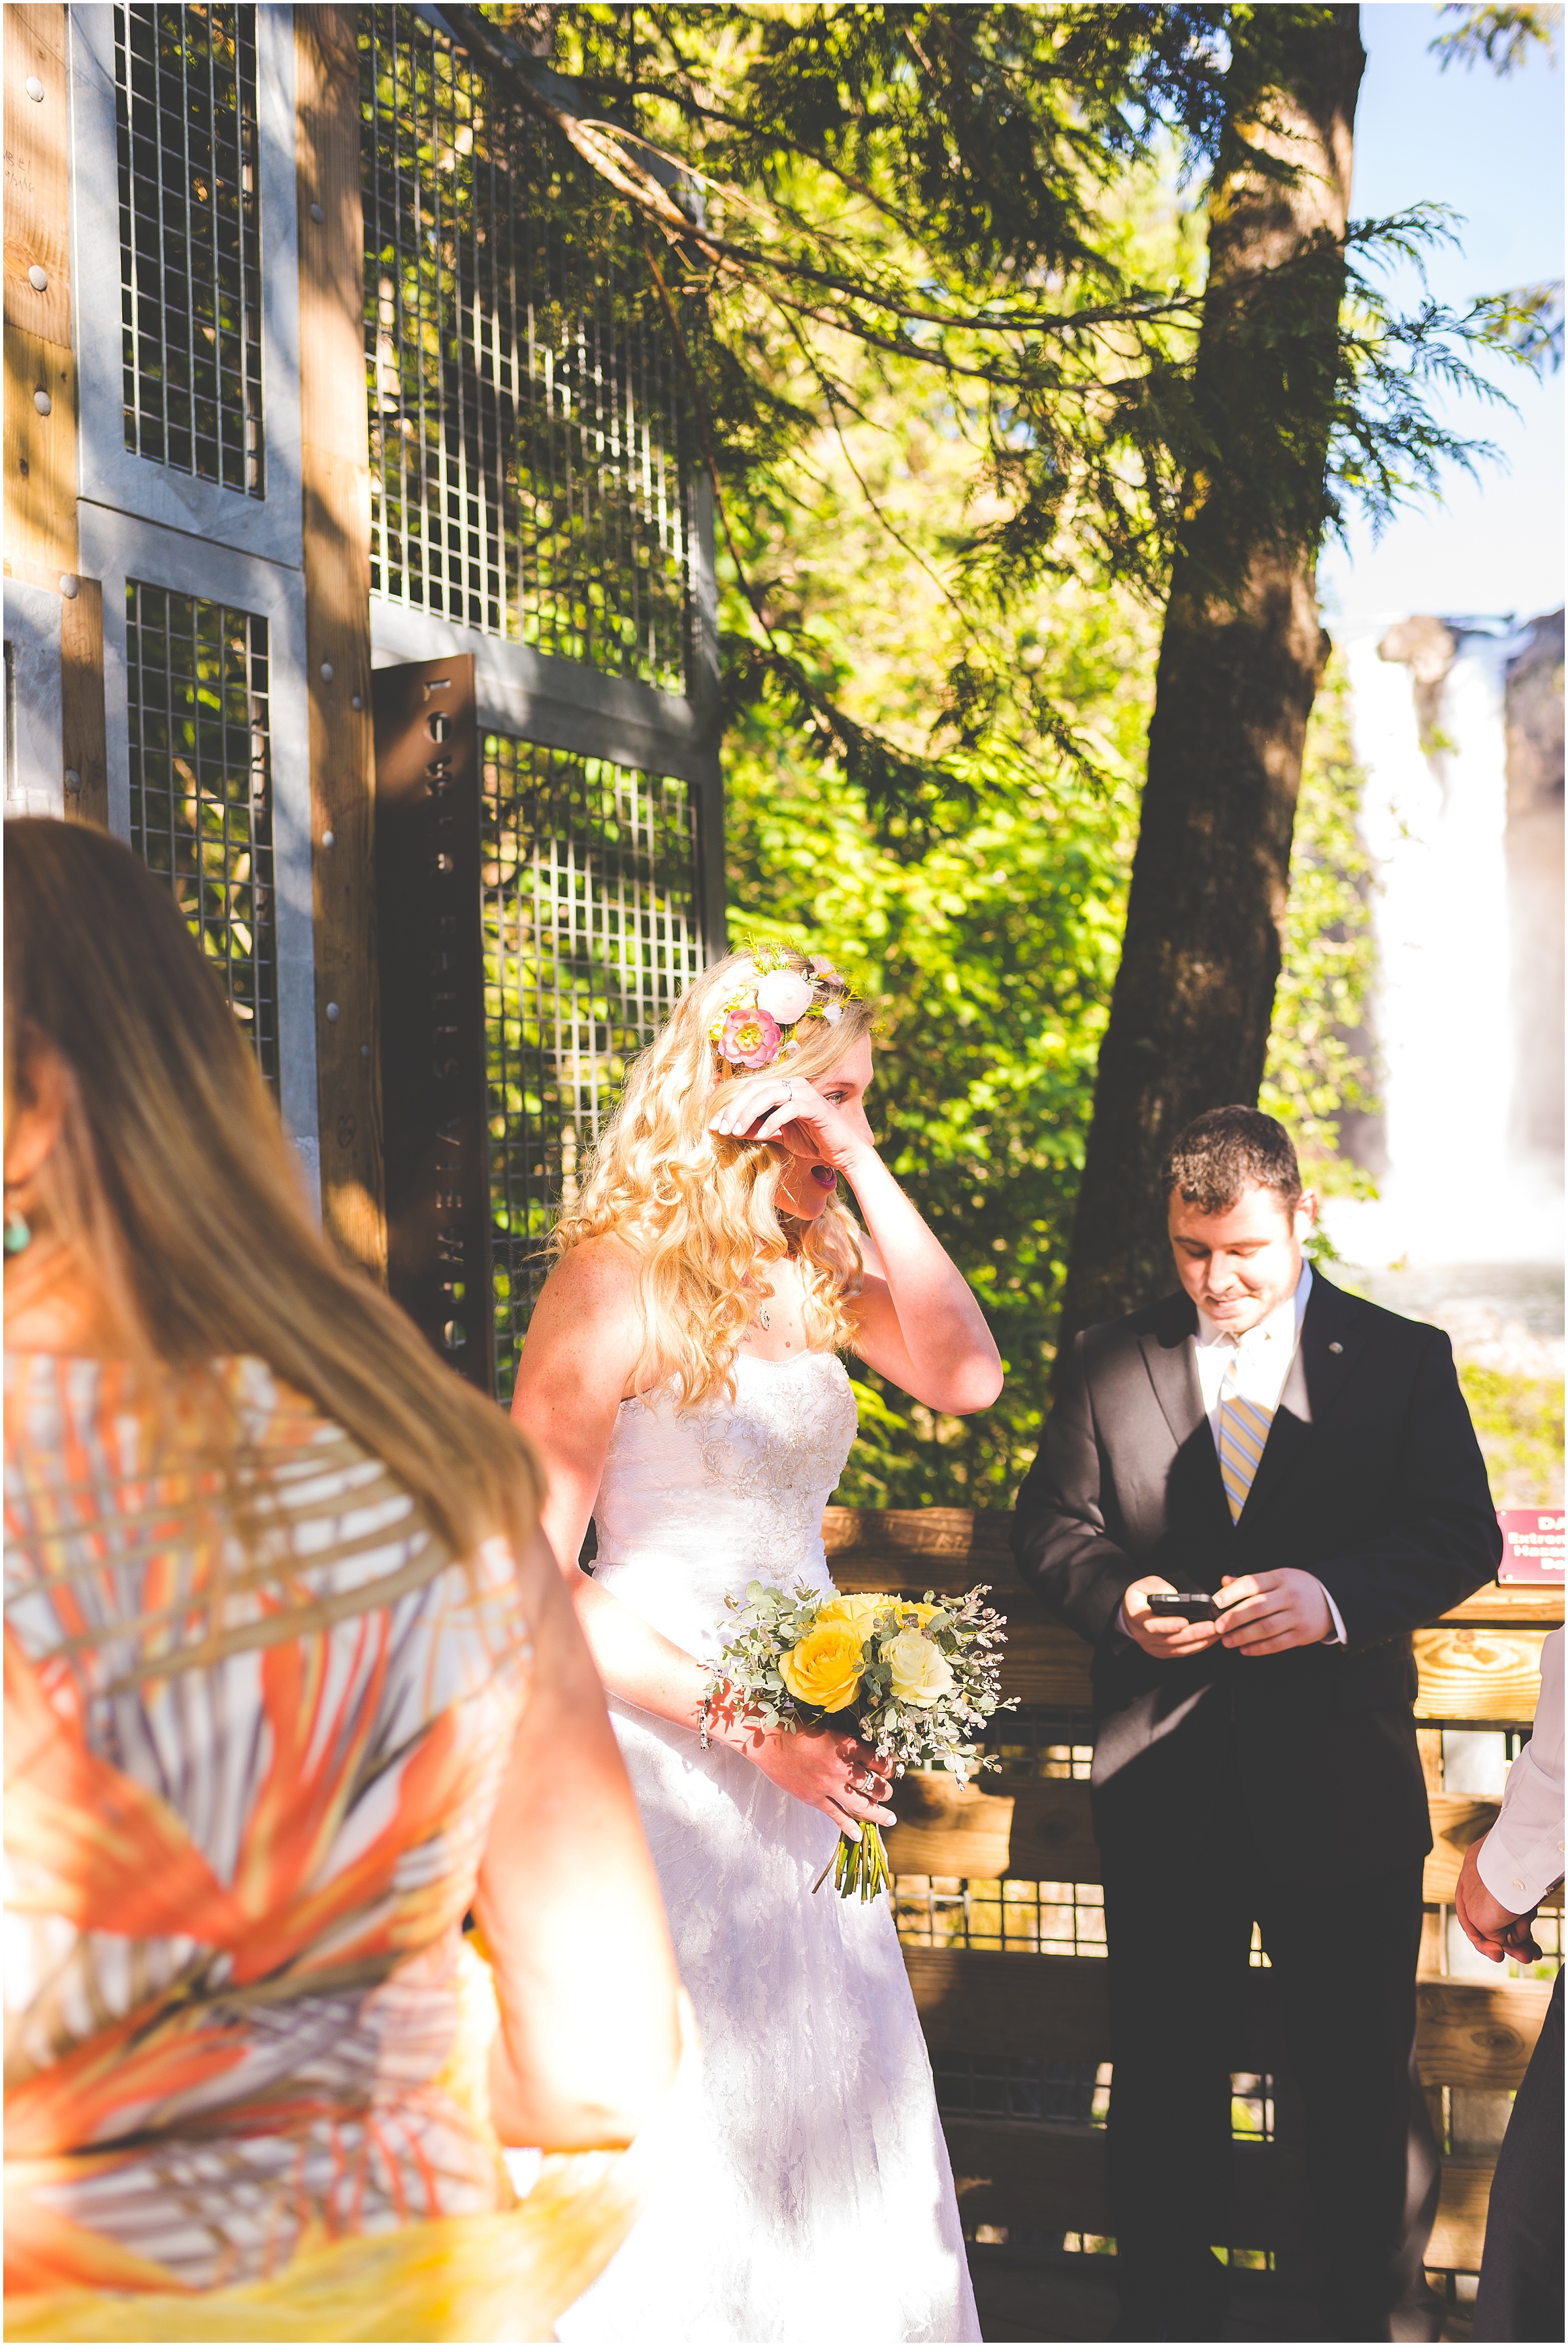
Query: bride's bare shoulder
(597, 1279)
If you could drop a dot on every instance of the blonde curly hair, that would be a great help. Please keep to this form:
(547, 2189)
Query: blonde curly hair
(700, 1210)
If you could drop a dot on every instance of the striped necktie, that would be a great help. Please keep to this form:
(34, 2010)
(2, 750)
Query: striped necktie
(1243, 1431)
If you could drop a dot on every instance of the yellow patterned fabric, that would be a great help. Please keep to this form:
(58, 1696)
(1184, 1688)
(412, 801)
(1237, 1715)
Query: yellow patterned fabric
(1243, 1431)
(256, 1721)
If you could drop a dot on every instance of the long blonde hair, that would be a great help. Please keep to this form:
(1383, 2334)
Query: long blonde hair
(178, 1193)
(700, 1210)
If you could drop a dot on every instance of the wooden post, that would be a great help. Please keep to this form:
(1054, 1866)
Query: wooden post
(335, 473)
(83, 734)
(40, 447)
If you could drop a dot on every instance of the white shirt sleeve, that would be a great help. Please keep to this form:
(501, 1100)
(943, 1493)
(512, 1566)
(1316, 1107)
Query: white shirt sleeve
(1522, 1856)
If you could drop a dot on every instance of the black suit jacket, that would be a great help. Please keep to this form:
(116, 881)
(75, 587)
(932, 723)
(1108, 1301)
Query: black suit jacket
(1372, 1479)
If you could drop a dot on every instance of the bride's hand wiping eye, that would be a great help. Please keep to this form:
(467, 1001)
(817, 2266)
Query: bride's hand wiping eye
(820, 1124)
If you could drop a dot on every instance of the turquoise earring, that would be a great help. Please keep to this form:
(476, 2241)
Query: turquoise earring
(17, 1234)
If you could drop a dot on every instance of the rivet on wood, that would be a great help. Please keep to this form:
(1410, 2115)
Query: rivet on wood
(326, 671)
(73, 782)
(41, 402)
(35, 89)
(328, 838)
(333, 1012)
(69, 585)
(317, 214)
(38, 279)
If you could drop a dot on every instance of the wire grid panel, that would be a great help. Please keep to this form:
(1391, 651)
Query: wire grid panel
(191, 251)
(590, 934)
(201, 789)
(1035, 1742)
(530, 446)
(1031, 1918)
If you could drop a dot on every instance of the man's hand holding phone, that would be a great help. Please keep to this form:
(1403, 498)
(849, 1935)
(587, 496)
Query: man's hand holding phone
(1168, 1637)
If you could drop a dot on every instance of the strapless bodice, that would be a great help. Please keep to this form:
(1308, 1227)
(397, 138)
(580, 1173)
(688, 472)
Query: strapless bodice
(693, 1503)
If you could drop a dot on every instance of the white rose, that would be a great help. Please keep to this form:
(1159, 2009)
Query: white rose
(919, 1674)
(784, 995)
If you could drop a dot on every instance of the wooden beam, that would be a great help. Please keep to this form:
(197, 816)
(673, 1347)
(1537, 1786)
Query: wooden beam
(84, 739)
(1473, 2033)
(1478, 2033)
(1491, 1675)
(335, 477)
(1459, 2233)
(1016, 2172)
(40, 447)
(1021, 1831)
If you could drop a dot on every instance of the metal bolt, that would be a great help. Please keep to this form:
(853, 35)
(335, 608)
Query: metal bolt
(364, 1050)
(38, 279)
(35, 89)
(332, 1012)
(317, 214)
(328, 838)
(326, 671)
(41, 402)
(69, 585)
(357, 702)
(73, 782)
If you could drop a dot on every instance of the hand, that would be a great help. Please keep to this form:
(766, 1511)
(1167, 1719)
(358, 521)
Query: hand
(790, 1111)
(832, 1772)
(1491, 1929)
(1167, 1638)
(1271, 1612)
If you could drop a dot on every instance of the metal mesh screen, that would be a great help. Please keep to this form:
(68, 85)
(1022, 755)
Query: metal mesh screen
(200, 786)
(190, 260)
(590, 932)
(1031, 1918)
(527, 475)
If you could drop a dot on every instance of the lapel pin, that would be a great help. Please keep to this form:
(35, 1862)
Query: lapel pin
(1335, 1346)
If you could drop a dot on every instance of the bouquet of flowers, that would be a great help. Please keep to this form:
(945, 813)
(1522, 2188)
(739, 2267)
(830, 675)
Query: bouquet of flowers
(916, 1681)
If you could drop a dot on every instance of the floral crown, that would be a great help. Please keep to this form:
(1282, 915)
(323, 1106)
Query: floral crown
(771, 1008)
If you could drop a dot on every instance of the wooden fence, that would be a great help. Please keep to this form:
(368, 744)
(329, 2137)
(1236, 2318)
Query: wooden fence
(1480, 1667)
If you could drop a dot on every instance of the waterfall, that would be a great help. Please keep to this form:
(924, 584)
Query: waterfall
(1462, 817)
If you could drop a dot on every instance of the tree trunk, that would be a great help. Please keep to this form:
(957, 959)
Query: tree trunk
(1241, 654)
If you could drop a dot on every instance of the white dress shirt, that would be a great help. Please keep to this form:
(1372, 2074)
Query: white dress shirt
(1522, 1856)
(1262, 1356)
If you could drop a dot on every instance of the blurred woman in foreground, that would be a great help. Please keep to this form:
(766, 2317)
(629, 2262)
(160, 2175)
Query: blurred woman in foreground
(291, 1684)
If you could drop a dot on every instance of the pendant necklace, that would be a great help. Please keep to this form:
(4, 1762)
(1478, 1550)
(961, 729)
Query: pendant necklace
(764, 1316)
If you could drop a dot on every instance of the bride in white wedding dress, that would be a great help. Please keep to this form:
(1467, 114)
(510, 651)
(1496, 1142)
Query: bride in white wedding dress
(681, 1380)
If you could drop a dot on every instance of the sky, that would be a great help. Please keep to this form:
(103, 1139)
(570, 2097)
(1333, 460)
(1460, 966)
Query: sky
(1493, 149)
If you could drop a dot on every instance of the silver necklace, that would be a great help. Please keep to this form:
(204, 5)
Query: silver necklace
(764, 1316)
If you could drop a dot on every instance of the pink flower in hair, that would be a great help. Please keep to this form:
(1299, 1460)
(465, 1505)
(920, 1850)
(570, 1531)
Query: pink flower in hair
(751, 1040)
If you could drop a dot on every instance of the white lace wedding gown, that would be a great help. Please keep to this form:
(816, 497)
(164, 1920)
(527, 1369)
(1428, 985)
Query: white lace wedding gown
(814, 2200)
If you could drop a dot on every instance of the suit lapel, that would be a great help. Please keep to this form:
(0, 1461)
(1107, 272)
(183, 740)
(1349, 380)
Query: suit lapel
(1168, 1356)
(1333, 1335)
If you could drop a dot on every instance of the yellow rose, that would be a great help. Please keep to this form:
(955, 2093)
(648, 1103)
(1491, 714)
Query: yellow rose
(824, 1668)
(921, 1675)
(857, 1613)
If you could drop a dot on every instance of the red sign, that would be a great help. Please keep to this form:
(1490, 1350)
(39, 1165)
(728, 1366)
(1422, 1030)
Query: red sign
(1532, 1545)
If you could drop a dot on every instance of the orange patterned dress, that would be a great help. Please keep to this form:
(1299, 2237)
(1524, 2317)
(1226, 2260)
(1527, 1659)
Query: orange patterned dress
(256, 1720)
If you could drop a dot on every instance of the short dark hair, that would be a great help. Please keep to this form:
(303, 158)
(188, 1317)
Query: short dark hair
(1226, 1151)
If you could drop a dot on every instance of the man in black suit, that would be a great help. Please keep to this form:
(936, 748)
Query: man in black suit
(1309, 1460)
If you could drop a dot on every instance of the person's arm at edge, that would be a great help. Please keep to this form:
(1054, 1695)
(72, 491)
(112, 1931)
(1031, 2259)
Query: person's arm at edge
(1520, 1858)
(569, 1906)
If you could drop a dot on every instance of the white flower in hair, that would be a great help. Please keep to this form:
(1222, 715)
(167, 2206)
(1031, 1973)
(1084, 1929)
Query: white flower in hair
(833, 1012)
(785, 995)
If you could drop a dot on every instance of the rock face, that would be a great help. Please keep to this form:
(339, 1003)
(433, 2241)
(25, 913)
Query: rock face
(1532, 848)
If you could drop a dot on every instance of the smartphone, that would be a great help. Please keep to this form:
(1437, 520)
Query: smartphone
(1193, 1607)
